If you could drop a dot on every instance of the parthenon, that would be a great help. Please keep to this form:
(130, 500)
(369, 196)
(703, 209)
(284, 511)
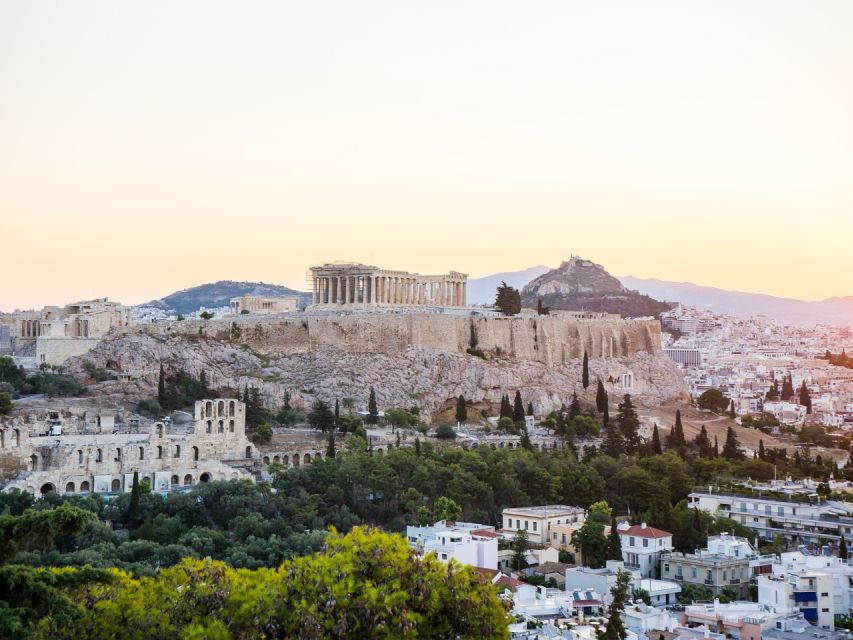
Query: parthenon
(352, 284)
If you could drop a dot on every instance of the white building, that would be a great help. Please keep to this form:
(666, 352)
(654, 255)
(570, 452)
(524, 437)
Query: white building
(643, 546)
(466, 542)
(809, 591)
(662, 592)
(537, 521)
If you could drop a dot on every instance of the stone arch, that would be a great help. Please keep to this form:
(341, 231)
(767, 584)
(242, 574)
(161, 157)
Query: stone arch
(34, 462)
(16, 437)
(306, 458)
(84, 486)
(208, 408)
(231, 426)
(318, 457)
(276, 459)
(177, 451)
(79, 456)
(208, 427)
(47, 487)
(188, 480)
(295, 459)
(159, 452)
(159, 430)
(266, 460)
(222, 426)
(195, 453)
(285, 460)
(493, 445)
(142, 453)
(115, 485)
(248, 452)
(231, 409)
(204, 477)
(69, 487)
(501, 445)
(175, 480)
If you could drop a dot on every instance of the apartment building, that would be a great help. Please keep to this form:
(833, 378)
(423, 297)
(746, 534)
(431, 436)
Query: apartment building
(538, 521)
(643, 546)
(466, 542)
(724, 565)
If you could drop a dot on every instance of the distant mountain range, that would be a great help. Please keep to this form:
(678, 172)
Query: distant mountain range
(483, 290)
(219, 294)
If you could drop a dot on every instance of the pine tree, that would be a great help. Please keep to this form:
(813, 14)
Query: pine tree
(574, 407)
(508, 300)
(518, 408)
(585, 374)
(461, 409)
(612, 443)
(133, 509)
(629, 425)
(675, 439)
(614, 544)
(372, 411)
(525, 439)
(656, 448)
(506, 407)
(601, 399)
(605, 417)
(330, 449)
(773, 392)
(615, 629)
(702, 442)
(731, 449)
(417, 446)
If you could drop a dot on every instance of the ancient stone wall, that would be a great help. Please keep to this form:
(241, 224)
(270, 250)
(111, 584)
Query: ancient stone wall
(550, 340)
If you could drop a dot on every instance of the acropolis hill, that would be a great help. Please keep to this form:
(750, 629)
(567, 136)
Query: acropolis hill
(411, 357)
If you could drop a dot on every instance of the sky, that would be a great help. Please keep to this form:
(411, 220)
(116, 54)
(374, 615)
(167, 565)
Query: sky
(147, 147)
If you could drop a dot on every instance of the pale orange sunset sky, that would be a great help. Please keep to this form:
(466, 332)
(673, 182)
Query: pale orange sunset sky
(150, 146)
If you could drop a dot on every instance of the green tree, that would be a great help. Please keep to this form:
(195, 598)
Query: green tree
(702, 443)
(574, 407)
(5, 402)
(133, 509)
(713, 400)
(615, 629)
(205, 315)
(321, 416)
(372, 411)
(614, 544)
(675, 439)
(612, 442)
(461, 409)
(447, 509)
(508, 300)
(263, 433)
(519, 549)
(529, 408)
(805, 397)
(518, 408)
(731, 448)
(330, 449)
(629, 425)
(506, 407)
(585, 372)
(656, 447)
(589, 540)
(601, 400)
(445, 432)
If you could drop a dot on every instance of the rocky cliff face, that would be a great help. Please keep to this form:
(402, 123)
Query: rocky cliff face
(580, 284)
(408, 358)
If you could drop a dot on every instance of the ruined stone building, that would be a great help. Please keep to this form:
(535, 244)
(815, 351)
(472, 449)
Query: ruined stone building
(258, 305)
(53, 334)
(360, 285)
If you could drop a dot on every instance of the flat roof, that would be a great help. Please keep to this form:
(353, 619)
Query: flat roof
(544, 511)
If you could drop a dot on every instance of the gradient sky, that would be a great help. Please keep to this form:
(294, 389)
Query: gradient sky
(151, 146)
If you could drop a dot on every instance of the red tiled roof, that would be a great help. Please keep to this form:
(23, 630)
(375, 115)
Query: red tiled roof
(485, 533)
(647, 532)
(508, 581)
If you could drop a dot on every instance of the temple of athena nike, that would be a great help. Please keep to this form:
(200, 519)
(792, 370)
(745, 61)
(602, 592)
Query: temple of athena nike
(361, 285)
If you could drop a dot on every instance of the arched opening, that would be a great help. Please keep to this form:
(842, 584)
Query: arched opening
(177, 451)
(188, 480)
(2, 439)
(205, 477)
(276, 459)
(69, 488)
(116, 485)
(220, 408)
(208, 409)
(195, 453)
(318, 457)
(231, 408)
(306, 458)
(47, 488)
(285, 460)
(159, 430)
(248, 452)
(295, 459)
(99, 456)
(34, 462)
(16, 438)
(142, 453)
(222, 426)
(175, 480)
(159, 452)
(231, 426)
(208, 428)
(266, 460)
(118, 455)
(79, 456)
(84, 486)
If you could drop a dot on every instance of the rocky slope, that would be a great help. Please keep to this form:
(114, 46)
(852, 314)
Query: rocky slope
(403, 370)
(580, 284)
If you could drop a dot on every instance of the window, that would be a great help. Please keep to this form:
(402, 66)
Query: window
(99, 455)
(177, 451)
(508, 523)
(159, 453)
(79, 456)
(564, 539)
(534, 525)
(666, 567)
(693, 572)
(525, 525)
(142, 453)
(631, 541)
(824, 595)
(645, 542)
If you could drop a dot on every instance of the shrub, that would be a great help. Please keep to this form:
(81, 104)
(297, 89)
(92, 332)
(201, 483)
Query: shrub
(445, 432)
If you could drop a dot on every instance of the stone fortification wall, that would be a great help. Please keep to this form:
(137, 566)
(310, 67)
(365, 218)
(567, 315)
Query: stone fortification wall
(550, 340)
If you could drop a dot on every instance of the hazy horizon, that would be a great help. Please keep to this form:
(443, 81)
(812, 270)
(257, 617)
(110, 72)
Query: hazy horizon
(150, 148)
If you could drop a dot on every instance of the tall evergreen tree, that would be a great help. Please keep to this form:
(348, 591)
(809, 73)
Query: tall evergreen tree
(518, 408)
(417, 446)
(601, 399)
(508, 300)
(612, 442)
(615, 629)
(133, 509)
(716, 448)
(372, 411)
(506, 407)
(614, 543)
(321, 416)
(702, 443)
(656, 448)
(461, 409)
(629, 425)
(787, 388)
(585, 373)
(529, 408)
(525, 439)
(761, 452)
(574, 407)
(337, 414)
(330, 448)
(805, 397)
(675, 439)
(731, 448)
(773, 392)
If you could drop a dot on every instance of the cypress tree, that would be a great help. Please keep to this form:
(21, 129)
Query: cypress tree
(529, 408)
(506, 407)
(675, 439)
(629, 425)
(605, 417)
(417, 446)
(614, 544)
(805, 397)
(461, 409)
(337, 414)
(585, 374)
(132, 517)
(518, 408)
(574, 407)
(716, 448)
(372, 411)
(601, 397)
(525, 439)
(761, 452)
(656, 448)
(330, 449)
(612, 442)
(731, 448)
(702, 442)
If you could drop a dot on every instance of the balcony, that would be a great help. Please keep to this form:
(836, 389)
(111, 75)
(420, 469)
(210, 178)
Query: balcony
(709, 582)
(631, 565)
